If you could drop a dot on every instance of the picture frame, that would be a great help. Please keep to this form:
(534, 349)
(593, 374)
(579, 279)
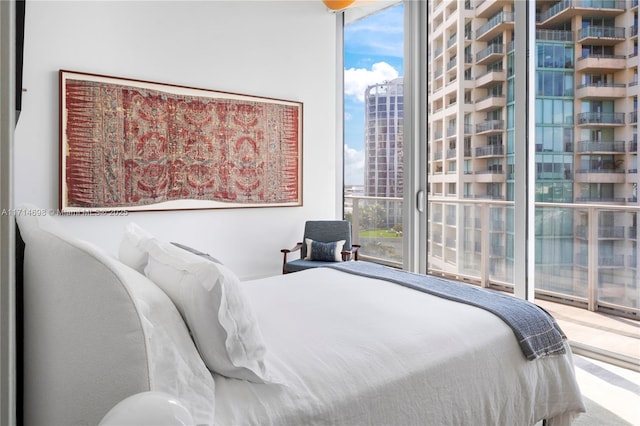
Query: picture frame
(133, 145)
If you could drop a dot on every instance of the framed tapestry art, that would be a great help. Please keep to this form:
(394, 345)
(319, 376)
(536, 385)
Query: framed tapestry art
(135, 145)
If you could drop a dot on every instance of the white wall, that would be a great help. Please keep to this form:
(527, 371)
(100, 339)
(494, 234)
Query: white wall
(279, 49)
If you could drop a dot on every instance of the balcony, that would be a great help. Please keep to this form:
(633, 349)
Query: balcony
(490, 54)
(503, 21)
(491, 77)
(490, 151)
(633, 117)
(490, 126)
(601, 36)
(490, 176)
(600, 175)
(601, 90)
(600, 119)
(486, 9)
(554, 35)
(491, 102)
(600, 62)
(601, 147)
(567, 9)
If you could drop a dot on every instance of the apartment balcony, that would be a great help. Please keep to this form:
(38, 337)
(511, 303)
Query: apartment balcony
(491, 77)
(490, 176)
(554, 35)
(567, 9)
(491, 102)
(633, 31)
(490, 126)
(601, 147)
(600, 119)
(490, 151)
(487, 8)
(499, 23)
(597, 62)
(601, 90)
(492, 53)
(611, 232)
(633, 147)
(633, 117)
(601, 36)
(595, 175)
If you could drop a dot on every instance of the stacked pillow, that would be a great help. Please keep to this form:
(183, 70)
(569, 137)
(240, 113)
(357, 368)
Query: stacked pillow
(210, 300)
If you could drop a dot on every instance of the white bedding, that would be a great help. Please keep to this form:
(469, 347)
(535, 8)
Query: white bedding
(352, 350)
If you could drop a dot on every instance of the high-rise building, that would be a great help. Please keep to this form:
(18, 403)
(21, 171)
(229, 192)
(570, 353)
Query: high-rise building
(383, 145)
(586, 144)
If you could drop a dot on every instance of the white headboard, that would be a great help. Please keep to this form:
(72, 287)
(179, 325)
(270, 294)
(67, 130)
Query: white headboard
(96, 331)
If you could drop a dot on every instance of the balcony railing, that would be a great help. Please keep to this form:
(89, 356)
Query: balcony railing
(570, 272)
(600, 118)
(595, 4)
(601, 146)
(484, 151)
(601, 32)
(492, 49)
(554, 35)
(490, 125)
(500, 18)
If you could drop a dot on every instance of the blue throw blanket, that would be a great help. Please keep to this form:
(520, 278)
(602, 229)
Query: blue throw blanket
(537, 332)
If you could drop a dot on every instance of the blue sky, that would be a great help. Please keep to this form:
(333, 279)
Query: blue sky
(373, 52)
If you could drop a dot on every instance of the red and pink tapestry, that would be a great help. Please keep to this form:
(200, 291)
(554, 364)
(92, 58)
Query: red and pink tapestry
(130, 145)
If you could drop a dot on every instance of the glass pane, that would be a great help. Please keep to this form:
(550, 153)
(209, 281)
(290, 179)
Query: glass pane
(586, 152)
(373, 133)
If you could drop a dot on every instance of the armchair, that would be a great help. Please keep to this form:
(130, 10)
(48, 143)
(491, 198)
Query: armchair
(317, 236)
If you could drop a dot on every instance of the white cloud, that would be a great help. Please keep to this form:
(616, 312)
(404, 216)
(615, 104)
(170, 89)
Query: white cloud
(357, 80)
(353, 166)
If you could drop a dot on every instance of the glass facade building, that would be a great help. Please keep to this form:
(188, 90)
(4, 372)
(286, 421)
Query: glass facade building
(585, 153)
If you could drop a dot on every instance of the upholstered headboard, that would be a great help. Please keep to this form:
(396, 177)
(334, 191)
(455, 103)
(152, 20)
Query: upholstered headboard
(96, 331)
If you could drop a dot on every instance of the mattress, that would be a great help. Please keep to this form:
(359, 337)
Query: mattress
(351, 350)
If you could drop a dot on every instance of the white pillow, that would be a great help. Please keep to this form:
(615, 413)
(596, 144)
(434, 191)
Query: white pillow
(210, 299)
(131, 252)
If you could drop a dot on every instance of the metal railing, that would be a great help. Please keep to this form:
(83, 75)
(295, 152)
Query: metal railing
(601, 32)
(498, 19)
(492, 49)
(600, 118)
(470, 238)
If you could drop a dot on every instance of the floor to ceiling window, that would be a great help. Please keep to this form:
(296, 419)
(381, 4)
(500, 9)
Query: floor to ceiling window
(373, 133)
(578, 169)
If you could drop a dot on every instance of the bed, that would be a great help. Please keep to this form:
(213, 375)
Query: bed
(334, 347)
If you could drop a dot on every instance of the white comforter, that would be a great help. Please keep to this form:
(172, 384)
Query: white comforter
(357, 351)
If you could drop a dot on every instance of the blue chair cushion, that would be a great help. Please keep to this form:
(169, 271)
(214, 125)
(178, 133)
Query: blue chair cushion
(301, 264)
